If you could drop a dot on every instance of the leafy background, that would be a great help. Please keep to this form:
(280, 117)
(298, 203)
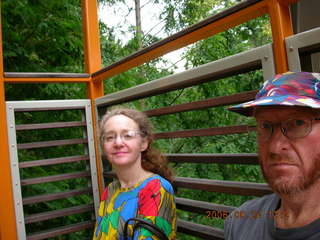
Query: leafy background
(46, 36)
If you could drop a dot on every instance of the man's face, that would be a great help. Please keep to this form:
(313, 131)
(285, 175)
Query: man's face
(289, 165)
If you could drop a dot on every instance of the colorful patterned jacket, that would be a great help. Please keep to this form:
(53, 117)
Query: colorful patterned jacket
(151, 199)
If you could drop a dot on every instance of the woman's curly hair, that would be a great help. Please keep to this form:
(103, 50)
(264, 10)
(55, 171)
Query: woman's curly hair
(151, 159)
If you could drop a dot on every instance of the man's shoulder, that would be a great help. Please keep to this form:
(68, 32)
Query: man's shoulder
(251, 219)
(265, 202)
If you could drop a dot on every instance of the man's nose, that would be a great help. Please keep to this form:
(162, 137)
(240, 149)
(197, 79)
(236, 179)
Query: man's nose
(278, 142)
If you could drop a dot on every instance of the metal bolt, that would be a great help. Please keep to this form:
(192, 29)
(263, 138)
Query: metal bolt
(20, 221)
(290, 48)
(266, 58)
(12, 145)
(11, 126)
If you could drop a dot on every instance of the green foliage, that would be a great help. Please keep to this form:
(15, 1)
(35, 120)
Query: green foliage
(42, 36)
(46, 36)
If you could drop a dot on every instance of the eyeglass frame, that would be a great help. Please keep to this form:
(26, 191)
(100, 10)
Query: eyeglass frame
(121, 135)
(284, 129)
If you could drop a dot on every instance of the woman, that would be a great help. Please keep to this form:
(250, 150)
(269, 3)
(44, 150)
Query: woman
(143, 188)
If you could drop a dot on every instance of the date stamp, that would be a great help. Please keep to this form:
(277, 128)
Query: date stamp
(237, 214)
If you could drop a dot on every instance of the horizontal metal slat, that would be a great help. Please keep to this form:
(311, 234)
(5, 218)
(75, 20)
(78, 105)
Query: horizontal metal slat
(55, 196)
(53, 161)
(196, 105)
(58, 213)
(38, 126)
(204, 132)
(44, 109)
(61, 230)
(52, 143)
(199, 230)
(167, 84)
(44, 75)
(30, 181)
(231, 187)
(235, 158)
(209, 209)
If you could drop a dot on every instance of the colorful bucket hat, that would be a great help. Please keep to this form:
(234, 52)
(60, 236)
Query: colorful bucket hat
(287, 89)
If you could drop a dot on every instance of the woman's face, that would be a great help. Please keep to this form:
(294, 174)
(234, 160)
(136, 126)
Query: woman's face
(123, 142)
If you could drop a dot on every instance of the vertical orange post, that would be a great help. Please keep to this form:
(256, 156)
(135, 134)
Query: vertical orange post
(7, 213)
(93, 63)
(281, 28)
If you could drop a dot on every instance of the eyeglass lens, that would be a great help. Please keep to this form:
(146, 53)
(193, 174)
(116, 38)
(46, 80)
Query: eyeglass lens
(292, 128)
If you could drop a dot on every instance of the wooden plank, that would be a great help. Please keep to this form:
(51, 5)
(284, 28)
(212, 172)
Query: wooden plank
(211, 210)
(53, 161)
(52, 143)
(196, 105)
(230, 187)
(199, 230)
(55, 196)
(205, 132)
(232, 158)
(58, 213)
(50, 125)
(54, 178)
(61, 230)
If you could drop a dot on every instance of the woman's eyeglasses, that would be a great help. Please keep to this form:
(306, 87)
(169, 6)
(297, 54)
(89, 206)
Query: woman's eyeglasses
(125, 136)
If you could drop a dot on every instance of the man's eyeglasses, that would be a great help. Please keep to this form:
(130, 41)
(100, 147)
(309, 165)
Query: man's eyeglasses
(292, 128)
(125, 136)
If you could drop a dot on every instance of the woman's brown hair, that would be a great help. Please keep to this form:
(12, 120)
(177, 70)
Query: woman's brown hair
(151, 159)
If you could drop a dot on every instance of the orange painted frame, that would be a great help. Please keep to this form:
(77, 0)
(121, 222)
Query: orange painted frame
(92, 55)
(278, 11)
(8, 229)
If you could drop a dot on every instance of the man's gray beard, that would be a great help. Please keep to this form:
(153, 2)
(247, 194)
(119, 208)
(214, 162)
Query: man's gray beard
(297, 184)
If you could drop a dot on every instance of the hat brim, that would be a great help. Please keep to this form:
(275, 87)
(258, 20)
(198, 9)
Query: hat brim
(284, 100)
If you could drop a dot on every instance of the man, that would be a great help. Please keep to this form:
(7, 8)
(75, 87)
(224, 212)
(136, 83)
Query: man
(287, 111)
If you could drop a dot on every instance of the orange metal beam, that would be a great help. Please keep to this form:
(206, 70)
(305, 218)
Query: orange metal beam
(7, 212)
(281, 25)
(91, 34)
(93, 63)
(218, 26)
(47, 80)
